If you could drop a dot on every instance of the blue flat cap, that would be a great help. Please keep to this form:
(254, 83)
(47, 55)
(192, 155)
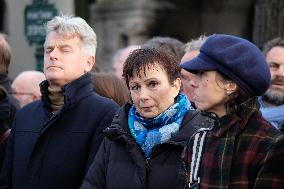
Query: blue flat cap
(237, 58)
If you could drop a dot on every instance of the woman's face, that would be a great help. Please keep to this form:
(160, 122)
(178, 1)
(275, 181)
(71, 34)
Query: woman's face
(152, 92)
(210, 93)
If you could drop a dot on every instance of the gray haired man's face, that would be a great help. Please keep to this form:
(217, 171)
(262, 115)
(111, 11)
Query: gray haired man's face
(64, 60)
(275, 60)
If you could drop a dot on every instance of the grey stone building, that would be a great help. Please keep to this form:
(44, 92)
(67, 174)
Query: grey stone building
(119, 23)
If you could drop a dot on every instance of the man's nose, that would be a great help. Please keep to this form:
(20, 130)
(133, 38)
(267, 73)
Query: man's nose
(54, 54)
(280, 71)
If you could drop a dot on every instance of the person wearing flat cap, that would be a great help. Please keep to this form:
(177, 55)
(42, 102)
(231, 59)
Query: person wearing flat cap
(241, 149)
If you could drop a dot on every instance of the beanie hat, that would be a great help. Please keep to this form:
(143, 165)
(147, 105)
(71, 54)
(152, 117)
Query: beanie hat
(237, 58)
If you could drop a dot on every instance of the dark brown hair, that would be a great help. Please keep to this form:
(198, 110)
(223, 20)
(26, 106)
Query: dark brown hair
(240, 102)
(110, 86)
(142, 59)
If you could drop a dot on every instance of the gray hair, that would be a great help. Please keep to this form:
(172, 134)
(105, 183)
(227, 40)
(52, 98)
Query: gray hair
(170, 45)
(276, 42)
(195, 44)
(74, 26)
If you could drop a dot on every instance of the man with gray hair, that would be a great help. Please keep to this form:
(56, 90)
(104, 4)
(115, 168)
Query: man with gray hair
(54, 140)
(26, 86)
(272, 102)
(191, 50)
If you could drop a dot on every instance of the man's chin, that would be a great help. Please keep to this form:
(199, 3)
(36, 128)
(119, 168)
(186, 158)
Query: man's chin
(275, 97)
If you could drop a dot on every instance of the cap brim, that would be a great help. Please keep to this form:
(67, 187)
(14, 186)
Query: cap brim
(196, 65)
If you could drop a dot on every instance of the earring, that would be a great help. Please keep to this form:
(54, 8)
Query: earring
(228, 92)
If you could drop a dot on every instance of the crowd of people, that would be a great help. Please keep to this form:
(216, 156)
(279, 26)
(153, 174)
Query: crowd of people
(205, 114)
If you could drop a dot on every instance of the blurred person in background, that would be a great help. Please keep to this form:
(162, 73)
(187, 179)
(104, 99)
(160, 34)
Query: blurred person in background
(25, 86)
(8, 104)
(4, 122)
(119, 58)
(272, 102)
(54, 140)
(191, 50)
(110, 86)
(143, 145)
(168, 44)
(5, 60)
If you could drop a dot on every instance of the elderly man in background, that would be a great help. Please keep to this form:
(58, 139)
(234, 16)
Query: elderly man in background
(54, 140)
(191, 50)
(272, 102)
(119, 58)
(26, 86)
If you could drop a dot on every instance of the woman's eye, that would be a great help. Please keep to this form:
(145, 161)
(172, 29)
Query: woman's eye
(153, 84)
(199, 74)
(135, 87)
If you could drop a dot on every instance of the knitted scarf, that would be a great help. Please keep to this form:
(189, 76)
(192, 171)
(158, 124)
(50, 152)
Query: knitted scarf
(149, 133)
(275, 115)
(56, 98)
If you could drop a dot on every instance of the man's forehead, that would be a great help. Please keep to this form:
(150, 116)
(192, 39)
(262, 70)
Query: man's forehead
(54, 39)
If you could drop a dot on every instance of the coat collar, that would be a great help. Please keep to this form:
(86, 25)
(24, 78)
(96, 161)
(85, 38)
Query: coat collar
(73, 92)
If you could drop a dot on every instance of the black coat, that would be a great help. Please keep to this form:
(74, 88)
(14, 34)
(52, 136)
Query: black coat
(14, 103)
(120, 162)
(54, 151)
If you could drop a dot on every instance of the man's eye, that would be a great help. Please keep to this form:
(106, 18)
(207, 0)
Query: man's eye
(47, 51)
(65, 50)
(274, 66)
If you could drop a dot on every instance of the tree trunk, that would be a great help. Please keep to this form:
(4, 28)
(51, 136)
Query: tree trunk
(268, 20)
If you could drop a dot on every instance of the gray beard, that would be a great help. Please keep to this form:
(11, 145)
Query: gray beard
(275, 97)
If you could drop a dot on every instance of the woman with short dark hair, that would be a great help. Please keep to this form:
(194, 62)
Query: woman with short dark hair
(143, 145)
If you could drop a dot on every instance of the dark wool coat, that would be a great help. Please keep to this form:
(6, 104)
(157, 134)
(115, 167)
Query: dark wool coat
(14, 104)
(4, 126)
(120, 162)
(242, 155)
(54, 151)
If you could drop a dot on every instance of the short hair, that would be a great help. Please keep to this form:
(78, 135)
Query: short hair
(5, 54)
(72, 27)
(168, 44)
(110, 86)
(278, 41)
(141, 59)
(195, 44)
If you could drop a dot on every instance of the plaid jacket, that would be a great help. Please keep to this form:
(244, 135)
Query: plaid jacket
(240, 155)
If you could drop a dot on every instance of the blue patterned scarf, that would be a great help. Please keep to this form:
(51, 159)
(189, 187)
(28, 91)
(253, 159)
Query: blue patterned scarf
(151, 132)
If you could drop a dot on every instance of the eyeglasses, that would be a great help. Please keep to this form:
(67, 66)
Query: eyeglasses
(21, 93)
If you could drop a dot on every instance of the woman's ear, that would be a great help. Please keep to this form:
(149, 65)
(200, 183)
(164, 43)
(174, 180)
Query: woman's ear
(230, 87)
(177, 85)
